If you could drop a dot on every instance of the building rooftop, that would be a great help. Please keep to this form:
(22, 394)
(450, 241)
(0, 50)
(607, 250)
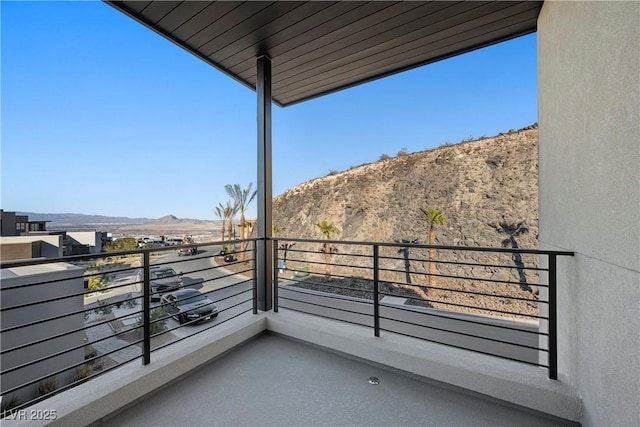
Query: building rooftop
(29, 270)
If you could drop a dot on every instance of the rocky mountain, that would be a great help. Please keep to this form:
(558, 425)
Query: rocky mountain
(478, 184)
(63, 221)
(170, 224)
(123, 225)
(487, 188)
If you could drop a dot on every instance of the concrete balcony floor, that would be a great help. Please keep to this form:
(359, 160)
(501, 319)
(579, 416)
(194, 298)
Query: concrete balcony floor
(289, 368)
(271, 380)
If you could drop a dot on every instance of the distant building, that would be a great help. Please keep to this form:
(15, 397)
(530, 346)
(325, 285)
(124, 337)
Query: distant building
(85, 242)
(24, 239)
(19, 225)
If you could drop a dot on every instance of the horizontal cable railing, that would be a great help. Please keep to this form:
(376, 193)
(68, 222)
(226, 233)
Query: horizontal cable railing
(495, 301)
(68, 320)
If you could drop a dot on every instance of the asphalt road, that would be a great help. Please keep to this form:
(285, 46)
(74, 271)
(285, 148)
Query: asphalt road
(231, 293)
(198, 271)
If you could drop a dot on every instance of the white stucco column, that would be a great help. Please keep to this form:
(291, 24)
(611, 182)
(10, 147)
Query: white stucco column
(589, 122)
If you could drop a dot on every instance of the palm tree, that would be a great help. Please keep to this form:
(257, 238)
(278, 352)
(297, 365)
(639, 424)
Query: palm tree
(514, 230)
(231, 210)
(248, 226)
(242, 198)
(226, 214)
(327, 229)
(219, 211)
(434, 217)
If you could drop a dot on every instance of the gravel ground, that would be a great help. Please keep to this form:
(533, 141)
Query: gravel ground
(486, 298)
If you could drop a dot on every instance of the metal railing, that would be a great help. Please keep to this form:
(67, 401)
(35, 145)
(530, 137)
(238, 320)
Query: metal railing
(68, 320)
(495, 301)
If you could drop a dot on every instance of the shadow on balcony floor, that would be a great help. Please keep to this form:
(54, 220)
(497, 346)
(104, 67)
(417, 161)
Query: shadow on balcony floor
(273, 381)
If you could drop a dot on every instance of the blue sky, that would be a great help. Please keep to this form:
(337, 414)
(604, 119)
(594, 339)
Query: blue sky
(102, 116)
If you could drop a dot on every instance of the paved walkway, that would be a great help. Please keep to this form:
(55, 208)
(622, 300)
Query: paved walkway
(94, 333)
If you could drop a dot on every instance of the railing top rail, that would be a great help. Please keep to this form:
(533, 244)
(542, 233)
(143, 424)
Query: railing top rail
(86, 257)
(75, 258)
(425, 246)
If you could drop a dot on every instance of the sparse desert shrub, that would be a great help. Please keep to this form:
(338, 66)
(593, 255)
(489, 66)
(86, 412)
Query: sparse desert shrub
(403, 152)
(332, 172)
(82, 372)
(97, 282)
(384, 157)
(158, 320)
(103, 309)
(9, 404)
(130, 303)
(121, 245)
(47, 386)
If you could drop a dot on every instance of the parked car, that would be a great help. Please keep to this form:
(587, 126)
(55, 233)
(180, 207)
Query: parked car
(191, 250)
(163, 279)
(189, 305)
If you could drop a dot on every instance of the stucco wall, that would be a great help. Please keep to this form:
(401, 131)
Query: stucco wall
(589, 117)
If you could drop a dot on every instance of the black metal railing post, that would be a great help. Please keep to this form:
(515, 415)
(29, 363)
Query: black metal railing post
(553, 323)
(376, 303)
(255, 278)
(276, 269)
(146, 309)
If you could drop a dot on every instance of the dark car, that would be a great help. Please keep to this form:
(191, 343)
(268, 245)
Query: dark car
(163, 279)
(189, 305)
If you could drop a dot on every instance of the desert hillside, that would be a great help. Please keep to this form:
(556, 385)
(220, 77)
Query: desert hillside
(478, 185)
(487, 188)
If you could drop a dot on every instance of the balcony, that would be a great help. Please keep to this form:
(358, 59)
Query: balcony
(589, 116)
(311, 360)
